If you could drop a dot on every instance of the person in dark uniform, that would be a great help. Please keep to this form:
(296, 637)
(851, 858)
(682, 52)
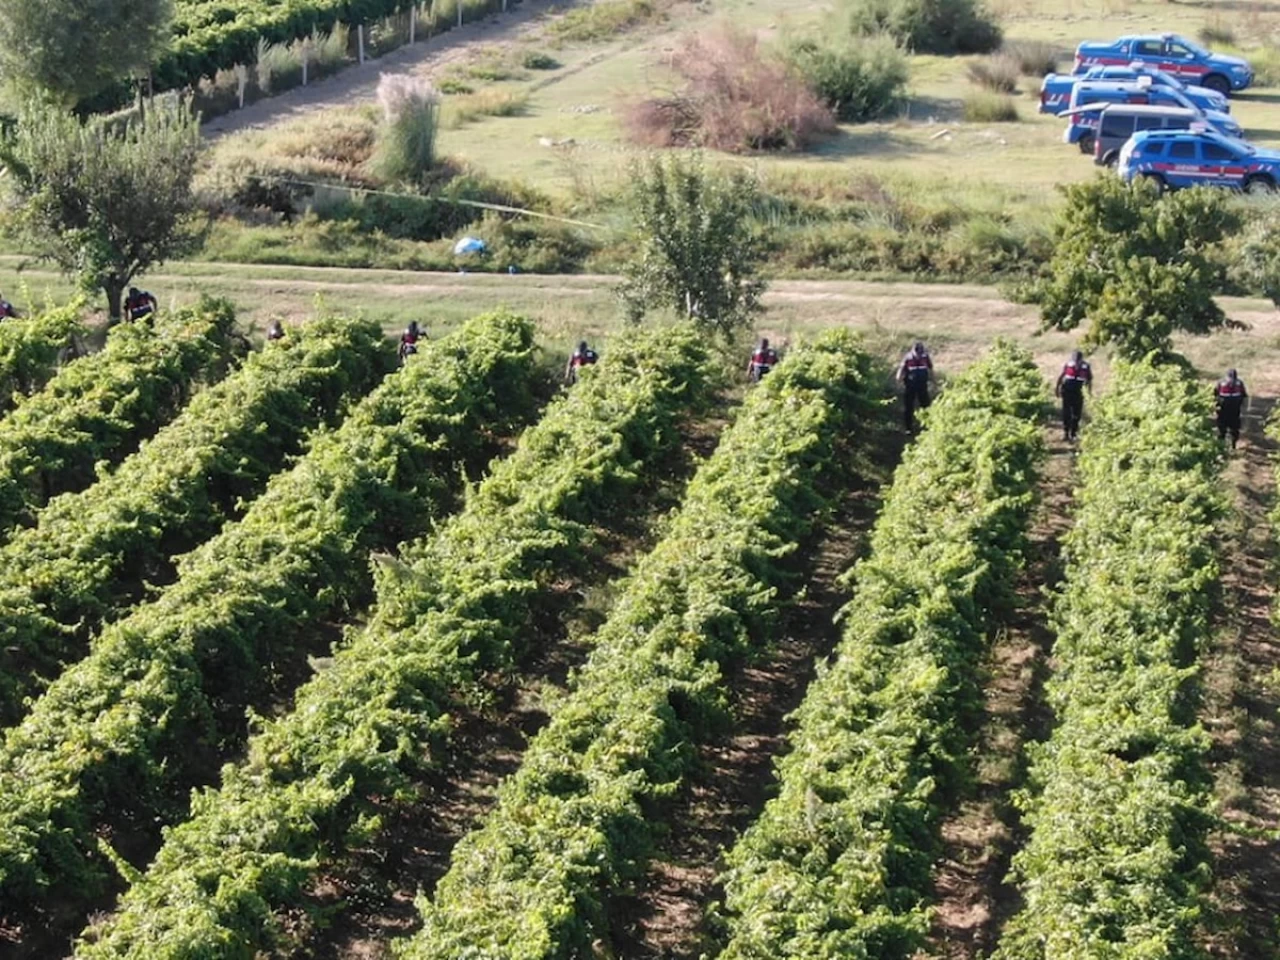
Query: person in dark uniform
(275, 331)
(139, 304)
(763, 359)
(584, 356)
(915, 373)
(1229, 395)
(409, 341)
(1076, 377)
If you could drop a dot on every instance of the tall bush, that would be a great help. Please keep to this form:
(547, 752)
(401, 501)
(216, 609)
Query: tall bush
(860, 78)
(929, 26)
(697, 252)
(737, 97)
(406, 147)
(1137, 267)
(105, 205)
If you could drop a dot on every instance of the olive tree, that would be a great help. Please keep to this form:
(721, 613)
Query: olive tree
(103, 203)
(1136, 266)
(697, 251)
(74, 49)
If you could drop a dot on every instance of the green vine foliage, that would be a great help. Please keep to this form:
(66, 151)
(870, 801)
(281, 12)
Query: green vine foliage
(459, 602)
(1119, 802)
(575, 824)
(98, 408)
(162, 693)
(92, 554)
(30, 348)
(839, 863)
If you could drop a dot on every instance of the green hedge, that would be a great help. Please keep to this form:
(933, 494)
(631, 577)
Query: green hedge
(100, 407)
(362, 727)
(30, 348)
(92, 554)
(164, 690)
(1116, 865)
(578, 819)
(839, 863)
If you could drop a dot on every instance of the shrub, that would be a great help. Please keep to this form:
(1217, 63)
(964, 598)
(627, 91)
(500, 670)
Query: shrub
(602, 21)
(1035, 58)
(697, 252)
(486, 103)
(535, 60)
(1136, 266)
(1257, 263)
(998, 74)
(860, 78)
(1217, 32)
(406, 147)
(452, 86)
(278, 66)
(736, 98)
(929, 26)
(990, 108)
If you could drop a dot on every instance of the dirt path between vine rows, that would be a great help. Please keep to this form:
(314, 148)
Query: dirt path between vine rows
(370, 893)
(1242, 711)
(665, 918)
(972, 900)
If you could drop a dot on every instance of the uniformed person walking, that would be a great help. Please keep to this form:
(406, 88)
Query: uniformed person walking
(1229, 395)
(1076, 377)
(915, 374)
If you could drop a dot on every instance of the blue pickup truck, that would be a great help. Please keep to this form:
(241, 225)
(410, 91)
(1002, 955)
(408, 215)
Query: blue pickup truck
(1174, 54)
(1056, 89)
(1173, 159)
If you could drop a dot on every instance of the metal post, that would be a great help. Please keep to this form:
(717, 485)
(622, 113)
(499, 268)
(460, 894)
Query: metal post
(459, 12)
(360, 40)
(413, 23)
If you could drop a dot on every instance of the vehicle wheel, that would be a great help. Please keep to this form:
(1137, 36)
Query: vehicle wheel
(1086, 143)
(1110, 160)
(1156, 181)
(1217, 83)
(1259, 184)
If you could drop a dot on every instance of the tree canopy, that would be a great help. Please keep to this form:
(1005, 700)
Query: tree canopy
(1136, 266)
(74, 49)
(103, 203)
(697, 252)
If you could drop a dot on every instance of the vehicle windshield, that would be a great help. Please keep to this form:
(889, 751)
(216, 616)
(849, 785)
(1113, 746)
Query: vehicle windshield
(1195, 48)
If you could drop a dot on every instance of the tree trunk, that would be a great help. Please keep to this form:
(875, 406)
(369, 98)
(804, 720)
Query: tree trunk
(115, 294)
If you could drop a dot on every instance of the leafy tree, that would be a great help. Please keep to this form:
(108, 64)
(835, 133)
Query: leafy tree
(73, 49)
(697, 252)
(104, 204)
(929, 26)
(1257, 264)
(1138, 267)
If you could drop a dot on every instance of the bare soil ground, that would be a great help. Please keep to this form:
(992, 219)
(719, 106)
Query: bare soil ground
(1242, 711)
(972, 900)
(666, 917)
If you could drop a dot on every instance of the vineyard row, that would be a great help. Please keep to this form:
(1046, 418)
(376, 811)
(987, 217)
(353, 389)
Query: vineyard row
(373, 720)
(1119, 805)
(579, 818)
(163, 690)
(92, 554)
